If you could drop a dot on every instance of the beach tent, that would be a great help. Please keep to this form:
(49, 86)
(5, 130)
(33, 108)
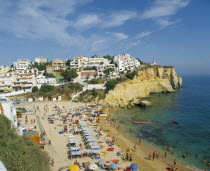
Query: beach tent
(91, 140)
(75, 148)
(94, 147)
(72, 141)
(74, 168)
(93, 143)
(96, 151)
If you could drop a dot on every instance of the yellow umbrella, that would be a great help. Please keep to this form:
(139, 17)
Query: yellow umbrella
(74, 168)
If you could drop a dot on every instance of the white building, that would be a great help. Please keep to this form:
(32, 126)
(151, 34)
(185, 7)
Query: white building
(126, 62)
(6, 82)
(24, 79)
(21, 64)
(43, 80)
(8, 109)
(41, 60)
(4, 69)
(78, 62)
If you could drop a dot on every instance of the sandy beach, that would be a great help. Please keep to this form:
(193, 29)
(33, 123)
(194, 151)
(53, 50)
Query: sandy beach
(58, 149)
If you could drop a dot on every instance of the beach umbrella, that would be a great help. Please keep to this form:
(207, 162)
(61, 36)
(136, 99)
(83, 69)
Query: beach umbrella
(134, 167)
(113, 166)
(74, 168)
(101, 162)
(127, 169)
(93, 167)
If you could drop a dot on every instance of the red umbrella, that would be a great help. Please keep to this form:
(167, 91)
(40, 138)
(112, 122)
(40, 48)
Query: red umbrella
(127, 169)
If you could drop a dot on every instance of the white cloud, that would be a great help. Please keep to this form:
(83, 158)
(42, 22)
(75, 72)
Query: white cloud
(143, 34)
(164, 22)
(118, 36)
(118, 18)
(86, 21)
(40, 19)
(161, 10)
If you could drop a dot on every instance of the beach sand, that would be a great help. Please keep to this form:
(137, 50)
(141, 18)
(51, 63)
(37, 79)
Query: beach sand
(58, 150)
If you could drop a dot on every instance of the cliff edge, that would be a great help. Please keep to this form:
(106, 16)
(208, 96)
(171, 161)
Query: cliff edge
(156, 79)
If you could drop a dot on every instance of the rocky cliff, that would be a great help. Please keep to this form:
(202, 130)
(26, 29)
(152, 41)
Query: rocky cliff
(151, 80)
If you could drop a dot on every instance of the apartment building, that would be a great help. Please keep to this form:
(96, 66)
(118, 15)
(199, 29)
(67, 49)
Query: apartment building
(126, 62)
(41, 60)
(24, 79)
(21, 64)
(78, 62)
(59, 62)
(6, 82)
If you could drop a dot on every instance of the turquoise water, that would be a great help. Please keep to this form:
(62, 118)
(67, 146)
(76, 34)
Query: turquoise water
(190, 106)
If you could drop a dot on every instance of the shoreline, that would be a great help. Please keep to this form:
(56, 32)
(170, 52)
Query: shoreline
(127, 141)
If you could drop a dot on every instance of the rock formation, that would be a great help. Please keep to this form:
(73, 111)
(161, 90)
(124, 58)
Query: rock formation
(154, 79)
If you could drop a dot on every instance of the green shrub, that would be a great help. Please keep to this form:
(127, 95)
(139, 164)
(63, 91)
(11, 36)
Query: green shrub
(35, 89)
(46, 88)
(19, 152)
(131, 75)
(94, 81)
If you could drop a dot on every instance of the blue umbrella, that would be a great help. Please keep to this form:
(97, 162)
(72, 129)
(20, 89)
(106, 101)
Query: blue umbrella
(134, 167)
(113, 166)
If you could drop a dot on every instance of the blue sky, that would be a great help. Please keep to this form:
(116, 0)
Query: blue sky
(173, 32)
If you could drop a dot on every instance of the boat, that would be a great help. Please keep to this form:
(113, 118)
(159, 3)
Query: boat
(175, 122)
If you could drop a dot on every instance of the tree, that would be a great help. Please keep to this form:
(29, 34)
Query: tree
(35, 89)
(108, 71)
(46, 88)
(108, 57)
(68, 62)
(69, 75)
(87, 78)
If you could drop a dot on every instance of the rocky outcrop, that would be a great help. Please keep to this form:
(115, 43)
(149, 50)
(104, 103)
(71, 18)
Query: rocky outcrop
(152, 80)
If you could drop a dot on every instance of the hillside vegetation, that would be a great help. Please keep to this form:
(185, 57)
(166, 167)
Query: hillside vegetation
(18, 153)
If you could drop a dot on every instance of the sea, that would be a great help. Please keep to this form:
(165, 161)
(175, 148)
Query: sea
(189, 106)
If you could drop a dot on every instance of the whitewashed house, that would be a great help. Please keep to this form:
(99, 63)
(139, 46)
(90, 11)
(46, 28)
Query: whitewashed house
(21, 64)
(126, 62)
(41, 60)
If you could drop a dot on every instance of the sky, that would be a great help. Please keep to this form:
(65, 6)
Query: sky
(172, 32)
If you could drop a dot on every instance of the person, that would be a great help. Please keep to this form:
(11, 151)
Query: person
(175, 163)
(150, 156)
(49, 142)
(172, 152)
(196, 156)
(165, 155)
(208, 164)
(134, 147)
(183, 155)
(203, 161)
(130, 157)
(176, 169)
(52, 161)
(127, 156)
(153, 155)
(206, 169)
(139, 141)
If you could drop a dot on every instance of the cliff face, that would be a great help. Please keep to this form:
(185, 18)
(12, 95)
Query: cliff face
(152, 80)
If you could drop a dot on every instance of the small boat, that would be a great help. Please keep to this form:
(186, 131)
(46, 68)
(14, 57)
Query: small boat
(175, 122)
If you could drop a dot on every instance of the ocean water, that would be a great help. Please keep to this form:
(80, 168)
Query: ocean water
(190, 106)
